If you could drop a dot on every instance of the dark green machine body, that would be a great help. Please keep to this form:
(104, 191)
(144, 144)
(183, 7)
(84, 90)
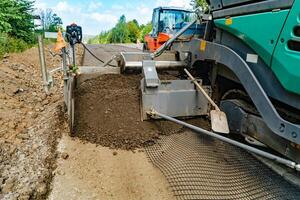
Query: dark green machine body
(275, 37)
(250, 56)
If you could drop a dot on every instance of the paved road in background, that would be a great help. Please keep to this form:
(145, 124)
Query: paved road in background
(105, 52)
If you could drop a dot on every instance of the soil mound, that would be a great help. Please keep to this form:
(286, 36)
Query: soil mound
(108, 113)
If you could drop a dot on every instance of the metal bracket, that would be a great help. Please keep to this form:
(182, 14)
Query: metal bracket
(150, 74)
(176, 98)
(245, 123)
(228, 57)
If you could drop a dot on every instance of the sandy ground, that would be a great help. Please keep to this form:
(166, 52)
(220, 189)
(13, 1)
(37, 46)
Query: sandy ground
(95, 172)
(90, 171)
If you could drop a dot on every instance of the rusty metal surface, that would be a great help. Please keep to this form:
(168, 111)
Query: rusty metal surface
(199, 167)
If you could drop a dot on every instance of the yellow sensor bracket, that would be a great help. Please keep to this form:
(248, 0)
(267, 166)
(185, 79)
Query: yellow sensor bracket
(228, 21)
(202, 45)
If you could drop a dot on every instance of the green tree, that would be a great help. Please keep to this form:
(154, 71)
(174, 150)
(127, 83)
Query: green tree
(7, 12)
(134, 31)
(56, 23)
(123, 32)
(102, 38)
(145, 29)
(200, 3)
(16, 25)
(16, 19)
(120, 32)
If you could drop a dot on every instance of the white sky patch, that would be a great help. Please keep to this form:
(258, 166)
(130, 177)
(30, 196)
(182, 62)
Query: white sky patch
(117, 7)
(63, 6)
(94, 17)
(94, 5)
(175, 3)
(108, 18)
(141, 13)
(144, 13)
(41, 6)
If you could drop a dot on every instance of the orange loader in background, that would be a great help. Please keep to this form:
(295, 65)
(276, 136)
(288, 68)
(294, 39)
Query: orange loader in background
(166, 21)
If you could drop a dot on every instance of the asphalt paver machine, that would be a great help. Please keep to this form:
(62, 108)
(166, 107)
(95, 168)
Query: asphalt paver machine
(247, 60)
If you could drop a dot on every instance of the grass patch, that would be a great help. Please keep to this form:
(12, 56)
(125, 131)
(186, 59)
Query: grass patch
(12, 45)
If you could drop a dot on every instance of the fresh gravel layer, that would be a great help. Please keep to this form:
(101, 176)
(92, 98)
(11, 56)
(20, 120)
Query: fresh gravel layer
(107, 111)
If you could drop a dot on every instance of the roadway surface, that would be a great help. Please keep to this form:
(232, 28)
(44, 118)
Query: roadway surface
(105, 52)
(100, 173)
(92, 172)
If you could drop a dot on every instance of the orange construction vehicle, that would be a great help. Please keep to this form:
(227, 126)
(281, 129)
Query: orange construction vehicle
(166, 21)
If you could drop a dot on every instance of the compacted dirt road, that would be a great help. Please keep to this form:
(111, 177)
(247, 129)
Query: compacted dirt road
(95, 172)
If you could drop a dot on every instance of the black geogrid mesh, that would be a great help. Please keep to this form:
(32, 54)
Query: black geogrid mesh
(199, 167)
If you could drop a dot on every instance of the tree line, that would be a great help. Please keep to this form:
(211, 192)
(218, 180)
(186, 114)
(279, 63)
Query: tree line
(123, 32)
(17, 25)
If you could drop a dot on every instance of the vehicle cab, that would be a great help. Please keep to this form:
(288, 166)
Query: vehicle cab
(166, 21)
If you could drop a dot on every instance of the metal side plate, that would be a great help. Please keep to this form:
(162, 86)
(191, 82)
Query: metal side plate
(176, 98)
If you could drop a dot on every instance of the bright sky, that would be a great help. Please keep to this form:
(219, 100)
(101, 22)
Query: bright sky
(97, 15)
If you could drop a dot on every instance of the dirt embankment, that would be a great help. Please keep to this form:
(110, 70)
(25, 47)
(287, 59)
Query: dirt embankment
(29, 121)
(108, 113)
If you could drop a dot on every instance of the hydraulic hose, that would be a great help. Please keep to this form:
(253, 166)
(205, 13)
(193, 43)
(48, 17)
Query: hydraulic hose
(97, 58)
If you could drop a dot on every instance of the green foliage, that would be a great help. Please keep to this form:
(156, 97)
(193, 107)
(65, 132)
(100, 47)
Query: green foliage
(17, 27)
(94, 40)
(105, 37)
(10, 44)
(200, 3)
(144, 31)
(120, 33)
(57, 22)
(102, 38)
(16, 19)
(134, 31)
(123, 32)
